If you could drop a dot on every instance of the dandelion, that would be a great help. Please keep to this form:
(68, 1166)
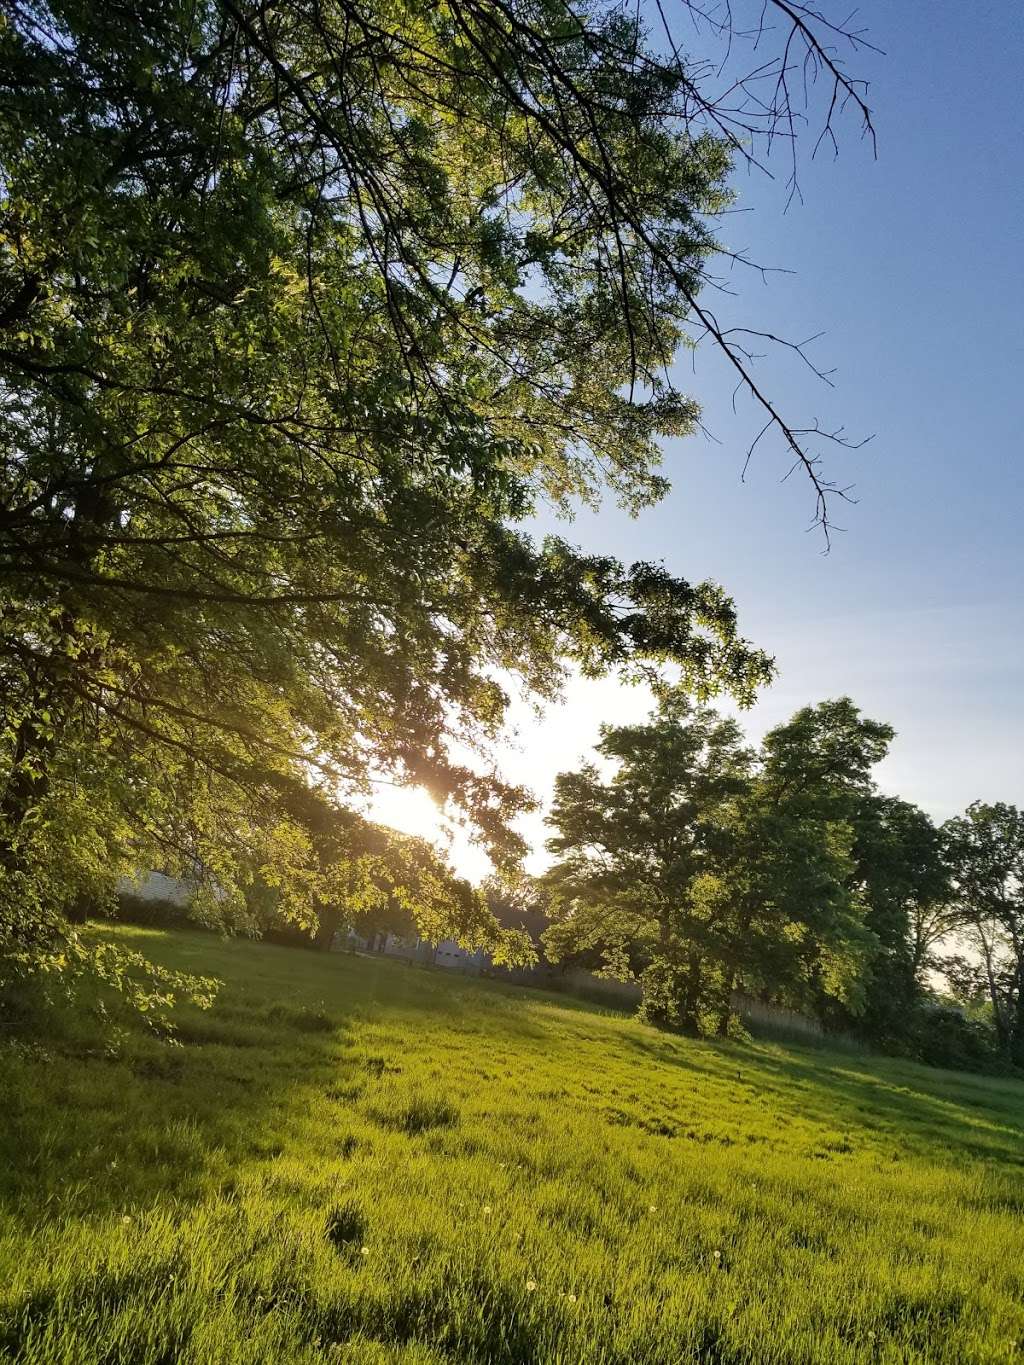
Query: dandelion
(364, 1251)
(653, 1208)
(571, 1298)
(126, 1218)
(717, 1255)
(531, 1285)
(487, 1208)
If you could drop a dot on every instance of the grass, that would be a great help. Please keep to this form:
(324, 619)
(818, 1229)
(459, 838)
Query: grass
(349, 1159)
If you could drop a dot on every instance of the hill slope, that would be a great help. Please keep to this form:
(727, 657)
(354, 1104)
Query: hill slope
(354, 1160)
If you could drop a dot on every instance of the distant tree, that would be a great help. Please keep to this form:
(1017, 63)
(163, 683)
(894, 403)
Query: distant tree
(901, 866)
(986, 857)
(696, 867)
(802, 931)
(371, 878)
(632, 850)
(868, 954)
(518, 902)
(966, 981)
(793, 922)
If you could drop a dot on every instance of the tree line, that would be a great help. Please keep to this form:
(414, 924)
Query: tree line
(696, 864)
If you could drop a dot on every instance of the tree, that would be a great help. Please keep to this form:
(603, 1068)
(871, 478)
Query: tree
(902, 867)
(801, 932)
(518, 903)
(302, 310)
(371, 878)
(633, 851)
(896, 882)
(986, 857)
(698, 867)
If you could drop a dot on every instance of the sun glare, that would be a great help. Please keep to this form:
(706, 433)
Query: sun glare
(411, 810)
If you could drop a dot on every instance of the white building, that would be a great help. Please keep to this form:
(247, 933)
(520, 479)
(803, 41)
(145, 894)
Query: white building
(447, 953)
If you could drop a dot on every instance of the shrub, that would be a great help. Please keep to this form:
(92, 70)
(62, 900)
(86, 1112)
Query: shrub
(943, 1035)
(153, 913)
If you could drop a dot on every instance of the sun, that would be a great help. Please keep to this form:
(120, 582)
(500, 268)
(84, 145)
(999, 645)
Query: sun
(412, 810)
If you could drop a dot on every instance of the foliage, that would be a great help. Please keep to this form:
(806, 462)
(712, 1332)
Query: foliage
(302, 312)
(795, 880)
(801, 929)
(518, 903)
(985, 849)
(635, 852)
(668, 1199)
(966, 981)
(108, 972)
(940, 1033)
(699, 867)
(152, 912)
(370, 878)
(901, 864)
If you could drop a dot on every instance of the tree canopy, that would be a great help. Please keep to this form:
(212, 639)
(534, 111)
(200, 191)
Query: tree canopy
(985, 850)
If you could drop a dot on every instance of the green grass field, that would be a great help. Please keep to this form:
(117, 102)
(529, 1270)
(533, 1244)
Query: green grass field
(350, 1159)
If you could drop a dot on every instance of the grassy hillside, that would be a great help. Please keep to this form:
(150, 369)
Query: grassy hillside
(354, 1160)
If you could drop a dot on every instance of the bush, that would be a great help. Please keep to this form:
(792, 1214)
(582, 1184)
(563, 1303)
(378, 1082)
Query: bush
(942, 1035)
(154, 914)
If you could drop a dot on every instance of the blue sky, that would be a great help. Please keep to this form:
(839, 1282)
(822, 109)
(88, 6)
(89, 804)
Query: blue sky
(912, 264)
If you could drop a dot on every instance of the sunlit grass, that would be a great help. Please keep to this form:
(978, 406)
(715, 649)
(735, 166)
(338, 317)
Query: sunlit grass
(354, 1160)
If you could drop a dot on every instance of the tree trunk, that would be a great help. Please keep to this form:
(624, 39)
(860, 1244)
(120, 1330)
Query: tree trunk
(725, 1012)
(1016, 1039)
(330, 923)
(689, 1003)
(999, 1019)
(746, 919)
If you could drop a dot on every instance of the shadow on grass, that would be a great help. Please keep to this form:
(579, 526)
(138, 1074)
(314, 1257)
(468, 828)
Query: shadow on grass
(100, 1114)
(961, 1115)
(99, 1117)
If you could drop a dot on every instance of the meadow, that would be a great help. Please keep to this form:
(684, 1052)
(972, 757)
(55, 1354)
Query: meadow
(353, 1160)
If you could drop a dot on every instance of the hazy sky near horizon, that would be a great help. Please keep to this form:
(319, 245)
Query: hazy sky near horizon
(912, 265)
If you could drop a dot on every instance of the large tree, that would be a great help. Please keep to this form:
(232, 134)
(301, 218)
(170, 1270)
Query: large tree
(860, 877)
(787, 884)
(302, 309)
(815, 781)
